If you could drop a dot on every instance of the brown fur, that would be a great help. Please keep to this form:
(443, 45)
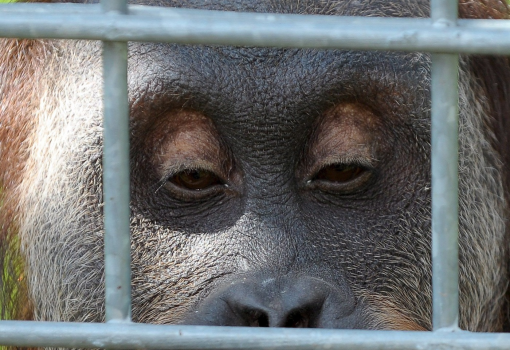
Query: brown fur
(493, 75)
(21, 62)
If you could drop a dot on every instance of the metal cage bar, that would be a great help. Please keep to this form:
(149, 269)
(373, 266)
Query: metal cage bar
(190, 26)
(117, 246)
(445, 194)
(144, 336)
(114, 24)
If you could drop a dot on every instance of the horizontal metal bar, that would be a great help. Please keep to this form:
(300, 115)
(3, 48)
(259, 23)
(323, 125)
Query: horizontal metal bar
(168, 13)
(143, 336)
(189, 26)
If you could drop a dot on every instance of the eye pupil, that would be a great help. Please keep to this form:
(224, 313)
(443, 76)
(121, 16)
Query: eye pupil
(195, 179)
(339, 173)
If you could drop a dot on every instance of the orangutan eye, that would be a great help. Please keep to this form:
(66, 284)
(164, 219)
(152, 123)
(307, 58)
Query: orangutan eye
(339, 173)
(341, 178)
(195, 180)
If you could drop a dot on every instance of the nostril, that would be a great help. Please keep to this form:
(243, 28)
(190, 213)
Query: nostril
(256, 318)
(292, 302)
(297, 319)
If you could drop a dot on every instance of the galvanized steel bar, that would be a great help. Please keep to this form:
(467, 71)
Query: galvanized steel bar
(445, 11)
(118, 6)
(188, 26)
(142, 336)
(445, 212)
(210, 27)
(116, 175)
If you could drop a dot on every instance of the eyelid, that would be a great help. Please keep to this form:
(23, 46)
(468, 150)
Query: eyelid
(366, 163)
(351, 187)
(170, 170)
(185, 194)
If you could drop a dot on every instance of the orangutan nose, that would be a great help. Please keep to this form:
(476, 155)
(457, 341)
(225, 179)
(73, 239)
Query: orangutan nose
(295, 302)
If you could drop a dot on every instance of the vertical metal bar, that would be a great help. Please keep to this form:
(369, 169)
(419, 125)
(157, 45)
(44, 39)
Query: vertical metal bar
(116, 175)
(445, 228)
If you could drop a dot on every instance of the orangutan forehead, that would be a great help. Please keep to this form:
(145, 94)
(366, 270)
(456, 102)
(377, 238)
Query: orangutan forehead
(240, 82)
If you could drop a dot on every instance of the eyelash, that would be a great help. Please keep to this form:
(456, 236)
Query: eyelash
(339, 177)
(347, 184)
